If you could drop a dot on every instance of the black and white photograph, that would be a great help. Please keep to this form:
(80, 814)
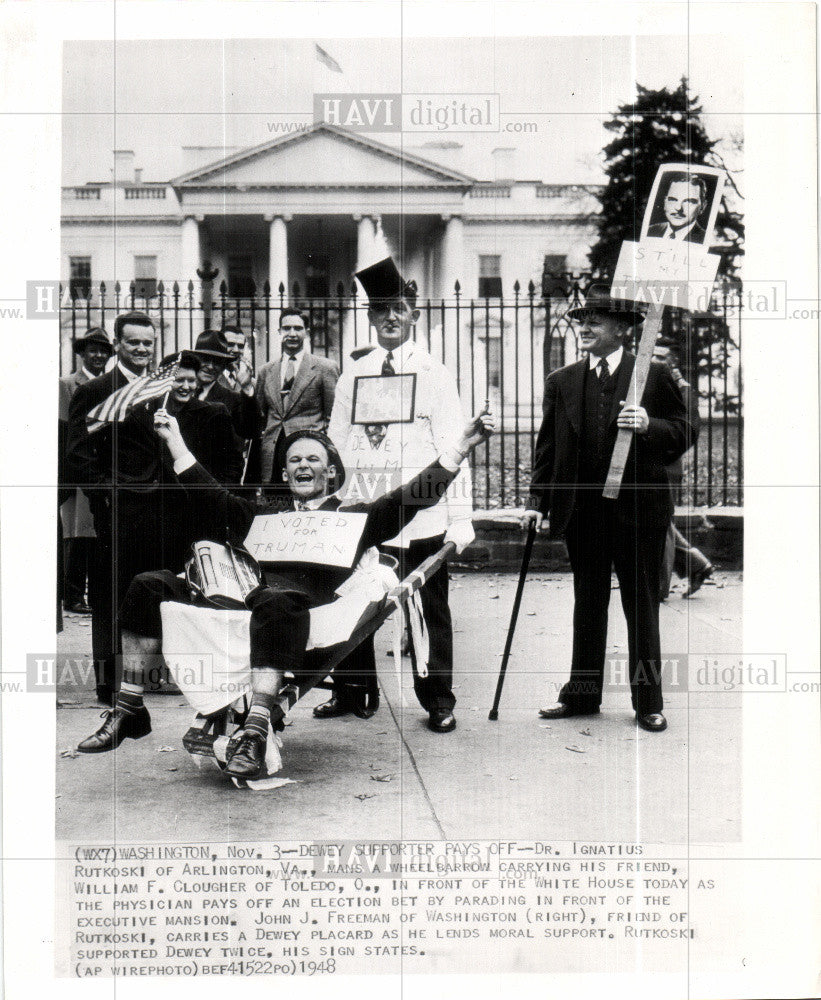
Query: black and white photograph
(389, 592)
(683, 204)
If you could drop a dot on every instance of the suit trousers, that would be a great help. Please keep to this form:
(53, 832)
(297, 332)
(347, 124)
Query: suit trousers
(436, 690)
(598, 541)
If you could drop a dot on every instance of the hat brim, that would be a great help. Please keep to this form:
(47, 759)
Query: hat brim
(206, 355)
(633, 316)
(81, 343)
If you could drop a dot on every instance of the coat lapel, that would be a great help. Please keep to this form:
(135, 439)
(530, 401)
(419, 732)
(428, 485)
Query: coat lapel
(303, 376)
(573, 394)
(628, 362)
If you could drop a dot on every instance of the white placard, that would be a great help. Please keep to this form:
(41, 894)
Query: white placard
(328, 537)
(665, 273)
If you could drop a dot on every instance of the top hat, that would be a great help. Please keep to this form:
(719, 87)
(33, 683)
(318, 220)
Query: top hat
(285, 442)
(600, 301)
(94, 336)
(383, 282)
(212, 347)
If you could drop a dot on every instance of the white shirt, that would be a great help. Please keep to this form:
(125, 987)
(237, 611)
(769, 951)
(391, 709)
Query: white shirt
(405, 449)
(128, 374)
(613, 360)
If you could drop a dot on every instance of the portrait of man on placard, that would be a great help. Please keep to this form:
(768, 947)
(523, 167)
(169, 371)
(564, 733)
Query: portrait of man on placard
(683, 205)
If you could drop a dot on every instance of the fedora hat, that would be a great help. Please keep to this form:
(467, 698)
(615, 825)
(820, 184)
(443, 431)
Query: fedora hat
(212, 347)
(186, 359)
(599, 300)
(94, 336)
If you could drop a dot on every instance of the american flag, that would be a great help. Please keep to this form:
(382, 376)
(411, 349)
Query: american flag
(115, 408)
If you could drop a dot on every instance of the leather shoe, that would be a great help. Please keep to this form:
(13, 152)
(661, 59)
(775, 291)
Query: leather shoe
(653, 723)
(697, 579)
(248, 758)
(562, 711)
(118, 726)
(338, 705)
(441, 720)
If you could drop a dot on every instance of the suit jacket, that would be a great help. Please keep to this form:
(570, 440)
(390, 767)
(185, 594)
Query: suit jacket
(220, 515)
(242, 409)
(75, 513)
(306, 407)
(90, 457)
(646, 491)
(696, 235)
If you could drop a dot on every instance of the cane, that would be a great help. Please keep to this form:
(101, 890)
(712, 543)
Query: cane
(531, 536)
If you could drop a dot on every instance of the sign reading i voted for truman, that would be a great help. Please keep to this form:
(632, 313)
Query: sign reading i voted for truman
(327, 537)
(384, 399)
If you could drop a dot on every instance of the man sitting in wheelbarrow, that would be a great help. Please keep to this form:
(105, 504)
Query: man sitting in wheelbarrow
(280, 608)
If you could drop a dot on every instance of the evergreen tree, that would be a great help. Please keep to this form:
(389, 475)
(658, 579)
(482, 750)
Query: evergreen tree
(662, 126)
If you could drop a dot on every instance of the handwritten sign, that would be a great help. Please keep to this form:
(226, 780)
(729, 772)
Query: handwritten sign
(384, 399)
(326, 537)
(663, 273)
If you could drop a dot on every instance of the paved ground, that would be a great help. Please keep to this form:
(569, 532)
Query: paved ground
(597, 778)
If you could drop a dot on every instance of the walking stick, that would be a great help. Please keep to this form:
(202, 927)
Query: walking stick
(531, 536)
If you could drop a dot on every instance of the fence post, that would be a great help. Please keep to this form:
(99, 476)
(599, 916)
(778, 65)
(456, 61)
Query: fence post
(206, 274)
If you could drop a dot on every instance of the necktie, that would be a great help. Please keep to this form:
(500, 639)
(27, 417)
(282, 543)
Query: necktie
(288, 377)
(604, 371)
(387, 367)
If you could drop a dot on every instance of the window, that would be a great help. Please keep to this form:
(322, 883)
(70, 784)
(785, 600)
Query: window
(145, 277)
(554, 282)
(79, 277)
(241, 276)
(490, 276)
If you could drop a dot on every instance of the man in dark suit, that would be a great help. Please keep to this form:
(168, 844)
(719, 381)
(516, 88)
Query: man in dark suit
(684, 203)
(296, 392)
(90, 466)
(585, 404)
(94, 350)
(280, 608)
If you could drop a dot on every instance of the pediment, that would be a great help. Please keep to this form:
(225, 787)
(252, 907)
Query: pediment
(325, 156)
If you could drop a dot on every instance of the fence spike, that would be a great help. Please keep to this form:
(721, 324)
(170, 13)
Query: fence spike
(531, 289)
(266, 289)
(517, 286)
(457, 287)
(175, 288)
(223, 288)
(160, 288)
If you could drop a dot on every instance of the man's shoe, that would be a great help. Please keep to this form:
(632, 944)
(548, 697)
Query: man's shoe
(653, 723)
(79, 608)
(338, 705)
(441, 720)
(248, 758)
(118, 726)
(697, 579)
(562, 711)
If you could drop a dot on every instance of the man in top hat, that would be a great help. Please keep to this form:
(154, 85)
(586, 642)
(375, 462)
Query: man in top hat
(280, 608)
(295, 392)
(93, 351)
(91, 465)
(378, 454)
(585, 404)
(215, 359)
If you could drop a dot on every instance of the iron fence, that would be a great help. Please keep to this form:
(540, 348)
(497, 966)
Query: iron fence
(499, 349)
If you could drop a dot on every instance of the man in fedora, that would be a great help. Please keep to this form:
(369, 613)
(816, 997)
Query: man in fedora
(585, 404)
(216, 357)
(93, 351)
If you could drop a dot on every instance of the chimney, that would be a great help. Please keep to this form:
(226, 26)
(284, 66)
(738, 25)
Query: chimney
(123, 165)
(504, 165)
(138, 175)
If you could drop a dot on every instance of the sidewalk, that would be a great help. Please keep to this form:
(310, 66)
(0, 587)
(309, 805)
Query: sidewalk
(593, 778)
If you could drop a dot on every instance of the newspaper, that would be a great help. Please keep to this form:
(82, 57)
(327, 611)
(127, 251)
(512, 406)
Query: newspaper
(294, 144)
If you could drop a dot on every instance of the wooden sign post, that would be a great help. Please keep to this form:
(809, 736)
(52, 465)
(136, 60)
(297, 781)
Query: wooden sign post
(638, 380)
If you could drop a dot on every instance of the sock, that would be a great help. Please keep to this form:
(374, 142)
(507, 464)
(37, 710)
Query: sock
(130, 697)
(259, 715)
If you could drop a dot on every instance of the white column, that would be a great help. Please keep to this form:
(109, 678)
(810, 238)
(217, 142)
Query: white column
(365, 238)
(453, 254)
(278, 256)
(190, 249)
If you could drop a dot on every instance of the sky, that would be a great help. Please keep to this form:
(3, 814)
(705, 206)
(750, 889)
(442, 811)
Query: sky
(157, 96)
